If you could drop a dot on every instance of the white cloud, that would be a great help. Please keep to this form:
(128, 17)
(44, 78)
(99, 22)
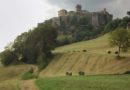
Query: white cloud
(17, 16)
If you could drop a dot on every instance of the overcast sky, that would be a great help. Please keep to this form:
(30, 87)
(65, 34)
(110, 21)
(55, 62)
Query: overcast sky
(17, 16)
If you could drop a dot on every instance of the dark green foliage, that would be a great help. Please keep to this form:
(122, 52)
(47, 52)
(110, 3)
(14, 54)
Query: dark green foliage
(83, 33)
(116, 23)
(29, 46)
(124, 22)
(8, 57)
(128, 12)
(42, 61)
(112, 25)
(28, 75)
(79, 27)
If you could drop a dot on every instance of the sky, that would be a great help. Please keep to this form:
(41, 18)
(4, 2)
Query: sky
(17, 16)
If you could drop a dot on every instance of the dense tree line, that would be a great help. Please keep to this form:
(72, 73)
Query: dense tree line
(32, 47)
(76, 28)
(116, 23)
(35, 45)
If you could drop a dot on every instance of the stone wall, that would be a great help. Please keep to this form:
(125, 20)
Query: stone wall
(62, 12)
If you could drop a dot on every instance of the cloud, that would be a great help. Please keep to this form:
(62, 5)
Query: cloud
(17, 16)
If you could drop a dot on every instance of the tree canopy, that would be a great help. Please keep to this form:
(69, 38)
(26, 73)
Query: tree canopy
(120, 38)
(30, 46)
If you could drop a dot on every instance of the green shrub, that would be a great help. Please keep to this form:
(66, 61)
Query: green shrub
(42, 61)
(28, 75)
(8, 57)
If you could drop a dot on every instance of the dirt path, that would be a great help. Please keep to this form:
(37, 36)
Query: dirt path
(28, 85)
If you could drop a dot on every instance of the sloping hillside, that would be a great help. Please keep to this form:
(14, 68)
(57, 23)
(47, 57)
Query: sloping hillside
(95, 61)
(9, 76)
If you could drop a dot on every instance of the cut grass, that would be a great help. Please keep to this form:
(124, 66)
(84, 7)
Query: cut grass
(9, 76)
(9, 85)
(99, 45)
(106, 82)
(12, 72)
(95, 61)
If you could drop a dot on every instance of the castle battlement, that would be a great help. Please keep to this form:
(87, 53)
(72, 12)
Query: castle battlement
(96, 18)
(62, 12)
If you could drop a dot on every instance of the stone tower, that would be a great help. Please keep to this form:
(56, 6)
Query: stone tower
(78, 8)
(62, 12)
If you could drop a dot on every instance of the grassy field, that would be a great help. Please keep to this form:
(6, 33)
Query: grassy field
(98, 45)
(71, 58)
(9, 76)
(95, 61)
(106, 82)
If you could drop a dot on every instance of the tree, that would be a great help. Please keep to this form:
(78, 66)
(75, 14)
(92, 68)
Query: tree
(124, 22)
(120, 38)
(111, 26)
(8, 57)
(128, 13)
(32, 46)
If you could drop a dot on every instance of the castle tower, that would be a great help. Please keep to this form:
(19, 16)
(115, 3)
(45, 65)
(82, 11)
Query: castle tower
(105, 10)
(78, 8)
(62, 12)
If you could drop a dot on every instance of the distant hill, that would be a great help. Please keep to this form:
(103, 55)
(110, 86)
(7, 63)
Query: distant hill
(95, 61)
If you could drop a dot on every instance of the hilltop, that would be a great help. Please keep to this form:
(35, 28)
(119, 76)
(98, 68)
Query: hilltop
(95, 61)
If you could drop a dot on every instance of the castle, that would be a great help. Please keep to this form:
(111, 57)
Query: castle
(97, 18)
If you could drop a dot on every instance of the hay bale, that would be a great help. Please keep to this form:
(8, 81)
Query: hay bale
(116, 52)
(84, 50)
(68, 73)
(109, 52)
(81, 73)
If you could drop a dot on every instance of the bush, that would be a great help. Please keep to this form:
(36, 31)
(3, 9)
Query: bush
(30, 70)
(42, 61)
(68, 73)
(81, 73)
(8, 57)
(28, 75)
